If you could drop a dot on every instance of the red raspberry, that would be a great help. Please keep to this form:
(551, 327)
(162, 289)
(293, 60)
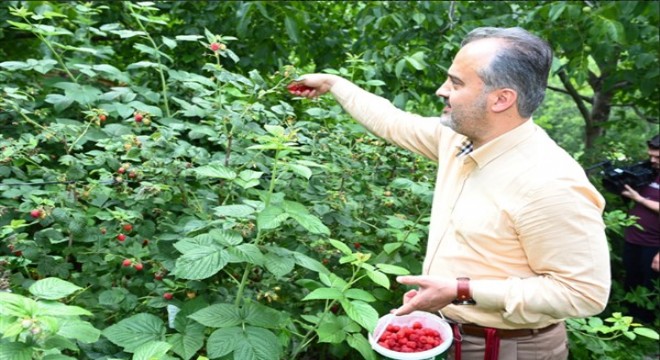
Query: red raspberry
(214, 46)
(138, 266)
(138, 117)
(168, 296)
(121, 237)
(126, 263)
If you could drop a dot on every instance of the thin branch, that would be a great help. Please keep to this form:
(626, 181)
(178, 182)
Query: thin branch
(563, 91)
(575, 95)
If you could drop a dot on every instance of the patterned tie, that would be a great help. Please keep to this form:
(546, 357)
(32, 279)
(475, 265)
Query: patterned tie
(465, 148)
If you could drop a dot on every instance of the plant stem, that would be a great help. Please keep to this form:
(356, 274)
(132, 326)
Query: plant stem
(257, 240)
(160, 65)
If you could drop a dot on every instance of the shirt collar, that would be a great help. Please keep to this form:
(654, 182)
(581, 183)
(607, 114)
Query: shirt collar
(505, 142)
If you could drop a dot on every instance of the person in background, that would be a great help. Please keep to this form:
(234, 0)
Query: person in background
(642, 240)
(516, 240)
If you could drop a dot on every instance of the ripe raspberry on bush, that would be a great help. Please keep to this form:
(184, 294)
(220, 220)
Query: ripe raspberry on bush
(294, 88)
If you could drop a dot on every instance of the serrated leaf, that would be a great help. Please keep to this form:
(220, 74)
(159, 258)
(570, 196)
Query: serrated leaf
(392, 269)
(340, 246)
(15, 351)
(234, 211)
(271, 217)
(646, 332)
(214, 171)
(301, 170)
(52, 308)
(309, 263)
(358, 342)
(260, 315)
(362, 313)
(134, 331)
(188, 343)
(324, 294)
(257, 344)
(223, 342)
(379, 278)
(249, 253)
(218, 316)
(201, 263)
(278, 265)
(152, 350)
(79, 330)
(359, 294)
(53, 288)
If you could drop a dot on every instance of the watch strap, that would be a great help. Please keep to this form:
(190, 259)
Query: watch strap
(463, 296)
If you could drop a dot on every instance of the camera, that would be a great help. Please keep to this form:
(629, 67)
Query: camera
(636, 175)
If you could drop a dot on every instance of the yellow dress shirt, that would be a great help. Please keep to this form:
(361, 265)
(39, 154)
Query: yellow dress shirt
(517, 215)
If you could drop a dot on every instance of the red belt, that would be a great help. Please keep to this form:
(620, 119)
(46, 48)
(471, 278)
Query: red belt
(492, 336)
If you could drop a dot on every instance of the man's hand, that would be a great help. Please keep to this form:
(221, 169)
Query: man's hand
(655, 264)
(631, 194)
(313, 85)
(433, 294)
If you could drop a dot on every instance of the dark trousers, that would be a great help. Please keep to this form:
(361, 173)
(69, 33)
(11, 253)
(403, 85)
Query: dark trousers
(637, 262)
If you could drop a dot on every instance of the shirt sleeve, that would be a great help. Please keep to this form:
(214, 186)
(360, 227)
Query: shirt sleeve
(378, 115)
(563, 235)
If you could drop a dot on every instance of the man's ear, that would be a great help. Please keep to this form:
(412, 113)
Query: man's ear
(504, 99)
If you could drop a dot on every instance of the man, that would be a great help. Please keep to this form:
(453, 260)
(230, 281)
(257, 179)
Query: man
(516, 240)
(642, 242)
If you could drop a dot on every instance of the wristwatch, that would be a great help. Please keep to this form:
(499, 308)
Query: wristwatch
(463, 296)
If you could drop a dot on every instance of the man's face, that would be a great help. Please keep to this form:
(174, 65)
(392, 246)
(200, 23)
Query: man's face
(654, 156)
(466, 101)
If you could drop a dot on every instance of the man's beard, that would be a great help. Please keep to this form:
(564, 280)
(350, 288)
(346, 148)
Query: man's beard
(465, 120)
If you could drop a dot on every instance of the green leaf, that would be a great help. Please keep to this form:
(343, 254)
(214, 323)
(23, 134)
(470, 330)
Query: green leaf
(52, 288)
(324, 293)
(223, 341)
(392, 269)
(309, 263)
(379, 278)
(79, 330)
(201, 263)
(362, 313)
(646, 332)
(218, 315)
(187, 344)
(340, 246)
(260, 315)
(135, 331)
(301, 170)
(214, 171)
(15, 351)
(257, 344)
(152, 350)
(358, 342)
(82, 94)
(278, 265)
(310, 222)
(331, 331)
(58, 309)
(234, 211)
(271, 217)
(359, 294)
(17, 305)
(249, 253)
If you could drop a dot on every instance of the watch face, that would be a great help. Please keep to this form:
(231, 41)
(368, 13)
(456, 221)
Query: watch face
(464, 302)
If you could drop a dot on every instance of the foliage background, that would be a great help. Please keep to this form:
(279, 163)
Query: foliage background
(302, 217)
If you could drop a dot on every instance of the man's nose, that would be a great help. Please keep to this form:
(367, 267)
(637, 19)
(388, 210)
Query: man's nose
(443, 90)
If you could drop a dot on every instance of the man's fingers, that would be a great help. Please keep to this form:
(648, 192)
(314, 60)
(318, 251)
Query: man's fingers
(404, 309)
(412, 280)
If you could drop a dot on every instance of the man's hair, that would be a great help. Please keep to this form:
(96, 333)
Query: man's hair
(654, 143)
(523, 65)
